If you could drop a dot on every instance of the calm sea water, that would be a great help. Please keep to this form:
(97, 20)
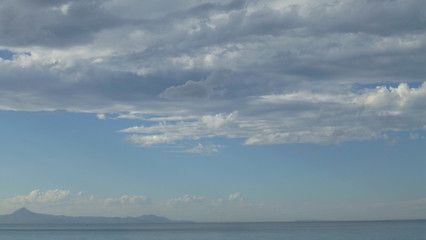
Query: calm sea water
(378, 230)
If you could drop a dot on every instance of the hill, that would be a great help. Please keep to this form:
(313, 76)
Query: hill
(25, 216)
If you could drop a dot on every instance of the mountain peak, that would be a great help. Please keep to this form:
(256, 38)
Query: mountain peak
(22, 212)
(25, 216)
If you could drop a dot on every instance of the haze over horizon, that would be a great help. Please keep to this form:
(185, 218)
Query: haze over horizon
(228, 110)
(26, 216)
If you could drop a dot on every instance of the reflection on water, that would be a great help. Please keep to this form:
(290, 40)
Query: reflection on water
(374, 230)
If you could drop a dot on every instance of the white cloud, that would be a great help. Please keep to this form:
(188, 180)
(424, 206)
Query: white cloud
(206, 126)
(235, 196)
(219, 120)
(301, 117)
(65, 202)
(231, 200)
(42, 197)
(128, 200)
(204, 148)
(395, 100)
(63, 8)
(101, 116)
(199, 208)
(186, 199)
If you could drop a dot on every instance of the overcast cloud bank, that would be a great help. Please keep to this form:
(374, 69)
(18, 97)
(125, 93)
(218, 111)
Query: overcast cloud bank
(265, 72)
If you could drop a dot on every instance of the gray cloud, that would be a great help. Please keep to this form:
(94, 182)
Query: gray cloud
(283, 66)
(386, 18)
(52, 23)
(213, 85)
(190, 89)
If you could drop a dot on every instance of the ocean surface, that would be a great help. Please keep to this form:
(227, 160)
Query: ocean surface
(365, 230)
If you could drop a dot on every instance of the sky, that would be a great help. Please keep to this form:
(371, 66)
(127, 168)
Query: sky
(256, 110)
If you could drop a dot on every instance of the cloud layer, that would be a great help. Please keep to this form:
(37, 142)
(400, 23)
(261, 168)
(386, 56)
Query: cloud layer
(302, 117)
(78, 204)
(233, 207)
(266, 72)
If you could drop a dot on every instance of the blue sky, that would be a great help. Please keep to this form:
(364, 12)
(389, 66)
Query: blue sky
(214, 111)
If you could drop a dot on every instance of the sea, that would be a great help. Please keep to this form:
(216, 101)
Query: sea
(354, 230)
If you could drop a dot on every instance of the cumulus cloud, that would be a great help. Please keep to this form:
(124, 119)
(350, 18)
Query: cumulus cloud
(42, 197)
(64, 201)
(101, 116)
(268, 72)
(302, 117)
(231, 200)
(232, 207)
(186, 200)
(234, 196)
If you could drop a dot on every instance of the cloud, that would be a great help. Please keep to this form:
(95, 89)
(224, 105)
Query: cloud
(232, 207)
(63, 196)
(201, 148)
(219, 120)
(42, 197)
(128, 200)
(65, 202)
(186, 200)
(212, 86)
(266, 72)
(101, 116)
(190, 89)
(231, 200)
(52, 24)
(208, 125)
(235, 196)
(301, 117)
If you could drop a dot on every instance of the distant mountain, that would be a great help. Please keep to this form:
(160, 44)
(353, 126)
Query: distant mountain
(25, 216)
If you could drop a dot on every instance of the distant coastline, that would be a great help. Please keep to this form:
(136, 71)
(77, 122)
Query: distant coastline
(25, 216)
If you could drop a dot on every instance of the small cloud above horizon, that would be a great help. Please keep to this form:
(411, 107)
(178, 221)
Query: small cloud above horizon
(191, 207)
